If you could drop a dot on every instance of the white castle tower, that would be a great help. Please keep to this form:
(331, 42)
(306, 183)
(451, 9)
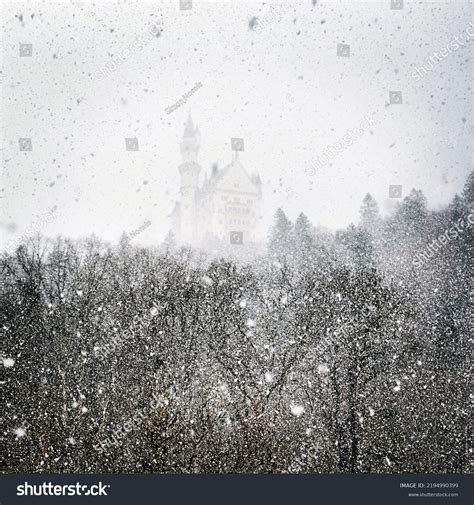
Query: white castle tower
(189, 171)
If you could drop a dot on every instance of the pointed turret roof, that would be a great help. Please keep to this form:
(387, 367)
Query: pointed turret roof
(189, 130)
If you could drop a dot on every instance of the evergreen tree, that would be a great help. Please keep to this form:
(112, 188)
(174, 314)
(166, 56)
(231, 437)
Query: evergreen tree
(359, 243)
(304, 242)
(281, 235)
(468, 193)
(169, 243)
(369, 213)
(412, 214)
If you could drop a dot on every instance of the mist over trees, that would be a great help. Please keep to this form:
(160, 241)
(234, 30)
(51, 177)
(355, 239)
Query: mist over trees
(344, 352)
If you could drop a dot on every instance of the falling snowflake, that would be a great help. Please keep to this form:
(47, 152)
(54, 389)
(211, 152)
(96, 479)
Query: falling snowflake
(207, 280)
(19, 432)
(397, 387)
(297, 410)
(323, 369)
(8, 362)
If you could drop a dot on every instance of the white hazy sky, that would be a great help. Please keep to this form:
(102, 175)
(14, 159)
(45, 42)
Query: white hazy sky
(283, 89)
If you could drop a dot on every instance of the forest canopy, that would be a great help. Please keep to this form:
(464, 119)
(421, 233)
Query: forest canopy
(345, 352)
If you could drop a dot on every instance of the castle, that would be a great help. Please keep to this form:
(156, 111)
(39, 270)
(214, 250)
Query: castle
(225, 209)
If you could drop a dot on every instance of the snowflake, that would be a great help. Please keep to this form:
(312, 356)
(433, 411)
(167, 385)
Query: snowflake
(323, 369)
(297, 410)
(207, 280)
(250, 323)
(19, 432)
(397, 387)
(8, 362)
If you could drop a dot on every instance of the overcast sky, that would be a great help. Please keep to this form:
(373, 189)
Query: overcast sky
(276, 81)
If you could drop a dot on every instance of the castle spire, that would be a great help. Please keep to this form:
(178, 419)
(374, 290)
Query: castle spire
(191, 141)
(189, 130)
